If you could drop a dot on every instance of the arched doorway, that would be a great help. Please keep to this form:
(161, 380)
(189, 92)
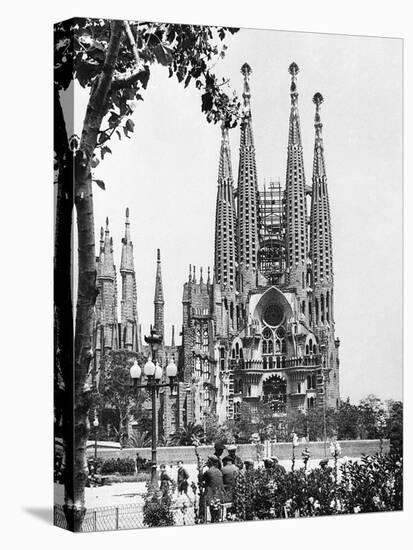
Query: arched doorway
(274, 393)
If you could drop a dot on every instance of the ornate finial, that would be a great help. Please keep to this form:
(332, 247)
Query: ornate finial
(107, 224)
(111, 242)
(209, 275)
(158, 255)
(190, 273)
(246, 70)
(200, 275)
(193, 275)
(101, 233)
(293, 69)
(127, 214)
(318, 99)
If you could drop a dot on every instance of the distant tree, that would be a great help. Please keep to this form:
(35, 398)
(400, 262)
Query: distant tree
(116, 390)
(369, 410)
(188, 434)
(347, 418)
(394, 428)
(212, 427)
(112, 59)
(260, 421)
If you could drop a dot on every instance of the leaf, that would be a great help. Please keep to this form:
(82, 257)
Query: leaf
(144, 77)
(113, 120)
(187, 80)
(104, 151)
(163, 54)
(130, 125)
(100, 183)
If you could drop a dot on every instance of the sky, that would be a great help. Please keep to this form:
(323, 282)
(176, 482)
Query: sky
(167, 175)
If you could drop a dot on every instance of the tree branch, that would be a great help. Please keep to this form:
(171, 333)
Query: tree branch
(127, 81)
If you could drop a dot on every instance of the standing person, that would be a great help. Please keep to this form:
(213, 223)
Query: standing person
(214, 488)
(165, 481)
(229, 475)
(219, 449)
(182, 479)
(278, 468)
(237, 460)
(249, 465)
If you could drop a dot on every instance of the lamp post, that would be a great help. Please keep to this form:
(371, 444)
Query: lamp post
(153, 373)
(96, 426)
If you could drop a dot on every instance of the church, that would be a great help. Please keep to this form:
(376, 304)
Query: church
(260, 327)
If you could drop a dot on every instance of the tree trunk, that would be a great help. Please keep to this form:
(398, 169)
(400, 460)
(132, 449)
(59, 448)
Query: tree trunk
(86, 297)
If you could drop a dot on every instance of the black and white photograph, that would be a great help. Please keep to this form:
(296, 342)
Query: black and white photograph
(228, 278)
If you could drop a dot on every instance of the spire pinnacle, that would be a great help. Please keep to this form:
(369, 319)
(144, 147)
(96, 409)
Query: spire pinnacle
(107, 225)
(317, 100)
(318, 164)
(190, 273)
(293, 69)
(246, 71)
(200, 275)
(173, 336)
(127, 226)
(193, 275)
(102, 242)
(159, 299)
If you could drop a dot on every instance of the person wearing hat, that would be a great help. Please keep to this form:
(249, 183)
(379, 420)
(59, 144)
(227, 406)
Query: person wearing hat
(229, 475)
(214, 486)
(249, 465)
(237, 460)
(268, 464)
(323, 463)
(219, 449)
(278, 468)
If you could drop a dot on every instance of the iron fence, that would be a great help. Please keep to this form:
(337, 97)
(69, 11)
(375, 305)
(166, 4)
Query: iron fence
(126, 516)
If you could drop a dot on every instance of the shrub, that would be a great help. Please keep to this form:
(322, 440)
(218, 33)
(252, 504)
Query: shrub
(123, 466)
(374, 484)
(157, 508)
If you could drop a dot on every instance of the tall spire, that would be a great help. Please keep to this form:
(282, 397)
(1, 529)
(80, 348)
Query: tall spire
(320, 240)
(127, 247)
(129, 317)
(247, 222)
(108, 268)
(158, 299)
(225, 252)
(296, 210)
(106, 303)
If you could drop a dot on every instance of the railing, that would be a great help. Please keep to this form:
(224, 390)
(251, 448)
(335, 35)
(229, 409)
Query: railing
(277, 362)
(127, 516)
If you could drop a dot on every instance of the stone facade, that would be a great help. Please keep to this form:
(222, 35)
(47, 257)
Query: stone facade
(263, 329)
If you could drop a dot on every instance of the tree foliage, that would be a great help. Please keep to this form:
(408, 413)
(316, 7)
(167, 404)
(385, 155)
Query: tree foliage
(188, 434)
(116, 390)
(188, 52)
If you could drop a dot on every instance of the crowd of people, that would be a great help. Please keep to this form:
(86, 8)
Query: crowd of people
(216, 478)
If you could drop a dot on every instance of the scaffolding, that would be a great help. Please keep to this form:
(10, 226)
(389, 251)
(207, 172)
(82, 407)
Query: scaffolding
(272, 233)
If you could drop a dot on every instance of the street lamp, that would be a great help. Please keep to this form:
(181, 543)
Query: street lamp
(96, 426)
(153, 373)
